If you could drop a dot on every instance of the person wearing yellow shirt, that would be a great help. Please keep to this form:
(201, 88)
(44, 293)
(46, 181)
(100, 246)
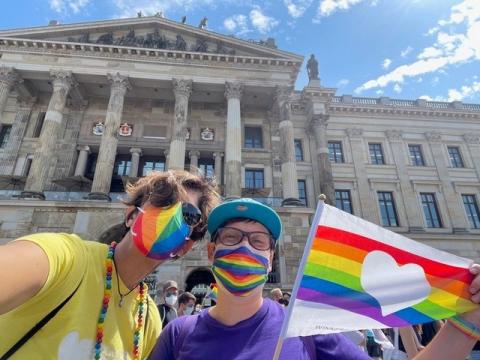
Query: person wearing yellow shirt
(65, 298)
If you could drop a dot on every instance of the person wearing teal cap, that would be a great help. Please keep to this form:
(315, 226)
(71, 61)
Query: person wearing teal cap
(243, 324)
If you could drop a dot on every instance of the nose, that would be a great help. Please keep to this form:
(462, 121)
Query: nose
(244, 239)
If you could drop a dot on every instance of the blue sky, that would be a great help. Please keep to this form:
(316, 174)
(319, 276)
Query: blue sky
(397, 48)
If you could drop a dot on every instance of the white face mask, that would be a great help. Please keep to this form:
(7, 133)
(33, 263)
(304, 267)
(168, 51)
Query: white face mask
(188, 310)
(171, 300)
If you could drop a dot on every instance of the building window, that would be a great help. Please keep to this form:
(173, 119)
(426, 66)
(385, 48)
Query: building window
(91, 165)
(376, 154)
(122, 166)
(152, 164)
(471, 207)
(206, 167)
(298, 150)
(5, 135)
(335, 152)
(27, 166)
(39, 125)
(430, 210)
(302, 191)
(254, 179)
(343, 200)
(416, 155)
(387, 208)
(253, 137)
(455, 157)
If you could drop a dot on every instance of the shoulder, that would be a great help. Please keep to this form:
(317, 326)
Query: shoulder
(337, 346)
(166, 343)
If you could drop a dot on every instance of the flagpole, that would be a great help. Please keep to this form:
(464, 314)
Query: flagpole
(306, 250)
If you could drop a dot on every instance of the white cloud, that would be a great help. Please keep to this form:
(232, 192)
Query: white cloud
(449, 48)
(404, 53)
(328, 7)
(397, 88)
(261, 22)
(342, 82)
(64, 6)
(237, 23)
(465, 92)
(296, 8)
(386, 63)
(379, 92)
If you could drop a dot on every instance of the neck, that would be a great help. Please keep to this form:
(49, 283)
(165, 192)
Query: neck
(244, 307)
(132, 266)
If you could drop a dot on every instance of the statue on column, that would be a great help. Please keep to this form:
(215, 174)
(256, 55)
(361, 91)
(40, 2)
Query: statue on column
(312, 68)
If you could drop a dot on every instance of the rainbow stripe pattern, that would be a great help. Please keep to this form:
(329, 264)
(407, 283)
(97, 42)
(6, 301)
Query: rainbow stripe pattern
(160, 232)
(213, 294)
(332, 276)
(240, 270)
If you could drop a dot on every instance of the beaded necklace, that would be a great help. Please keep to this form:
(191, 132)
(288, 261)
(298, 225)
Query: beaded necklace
(107, 294)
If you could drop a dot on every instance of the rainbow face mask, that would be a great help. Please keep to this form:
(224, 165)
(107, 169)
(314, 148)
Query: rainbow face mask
(160, 232)
(240, 270)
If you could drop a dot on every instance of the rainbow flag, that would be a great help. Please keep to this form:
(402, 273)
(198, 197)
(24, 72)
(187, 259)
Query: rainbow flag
(213, 294)
(357, 275)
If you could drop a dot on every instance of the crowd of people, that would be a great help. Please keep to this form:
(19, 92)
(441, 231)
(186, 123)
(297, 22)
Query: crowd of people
(61, 296)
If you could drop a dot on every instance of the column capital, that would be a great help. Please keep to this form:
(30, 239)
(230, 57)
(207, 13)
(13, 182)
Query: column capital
(394, 135)
(182, 87)
(136, 151)
(218, 154)
(233, 90)
(62, 79)
(354, 132)
(26, 104)
(194, 153)
(119, 82)
(166, 152)
(85, 148)
(433, 136)
(9, 76)
(319, 120)
(282, 93)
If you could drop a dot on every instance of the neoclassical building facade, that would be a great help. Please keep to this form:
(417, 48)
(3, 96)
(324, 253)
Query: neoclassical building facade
(86, 108)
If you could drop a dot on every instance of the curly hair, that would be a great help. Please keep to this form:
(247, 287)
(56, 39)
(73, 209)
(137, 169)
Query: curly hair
(169, 187)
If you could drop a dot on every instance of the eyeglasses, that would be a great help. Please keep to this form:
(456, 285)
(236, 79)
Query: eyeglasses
(230, 236)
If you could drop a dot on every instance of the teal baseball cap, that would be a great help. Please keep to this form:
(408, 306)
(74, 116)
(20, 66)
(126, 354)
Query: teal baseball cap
(248, 209)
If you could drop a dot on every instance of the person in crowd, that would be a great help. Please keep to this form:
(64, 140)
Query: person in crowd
(243, 236)
(167, 309)
(285, 300)
(61, 296)
(186, 303)
(198, 309)
(276, 294)
(429, 330)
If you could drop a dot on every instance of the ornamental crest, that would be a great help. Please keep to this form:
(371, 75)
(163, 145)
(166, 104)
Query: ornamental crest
(98, 129)
(207, 134)
(125, 130)
(188, 133)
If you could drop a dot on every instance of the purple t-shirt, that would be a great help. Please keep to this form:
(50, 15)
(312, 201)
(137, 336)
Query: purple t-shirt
(254, 338)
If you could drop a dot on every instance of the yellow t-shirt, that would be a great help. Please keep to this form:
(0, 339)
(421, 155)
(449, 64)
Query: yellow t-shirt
(71, 334)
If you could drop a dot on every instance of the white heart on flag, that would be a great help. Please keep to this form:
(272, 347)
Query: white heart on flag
(394, 287)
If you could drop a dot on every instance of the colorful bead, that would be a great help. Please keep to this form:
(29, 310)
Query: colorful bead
(107, 294)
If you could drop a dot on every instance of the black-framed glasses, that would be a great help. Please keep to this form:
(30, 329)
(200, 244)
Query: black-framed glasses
(230, 236)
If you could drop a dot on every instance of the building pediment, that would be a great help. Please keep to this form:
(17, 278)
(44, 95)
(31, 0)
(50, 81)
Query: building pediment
(152, 32)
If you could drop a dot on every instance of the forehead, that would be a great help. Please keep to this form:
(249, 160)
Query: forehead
(247, 225)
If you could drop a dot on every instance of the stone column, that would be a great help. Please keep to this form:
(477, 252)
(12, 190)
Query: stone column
(218, 167)
(62, 82)
(10, 153)
(287, 147)
(8, 78)
(473, 143)
(194, 154)
(82, 160)
(319, 124)
(368, 203)
(412, 206)
(108, 147)
(135, 161)
(455, 205)
(182, 90)
(233, 141)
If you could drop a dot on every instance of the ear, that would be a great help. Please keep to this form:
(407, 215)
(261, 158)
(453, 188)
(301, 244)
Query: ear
(130, 215)
(211, 250)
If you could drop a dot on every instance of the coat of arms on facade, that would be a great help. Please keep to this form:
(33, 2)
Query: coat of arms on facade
(207, 134)
(98, 129)
(188, 132)
(125, 130)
